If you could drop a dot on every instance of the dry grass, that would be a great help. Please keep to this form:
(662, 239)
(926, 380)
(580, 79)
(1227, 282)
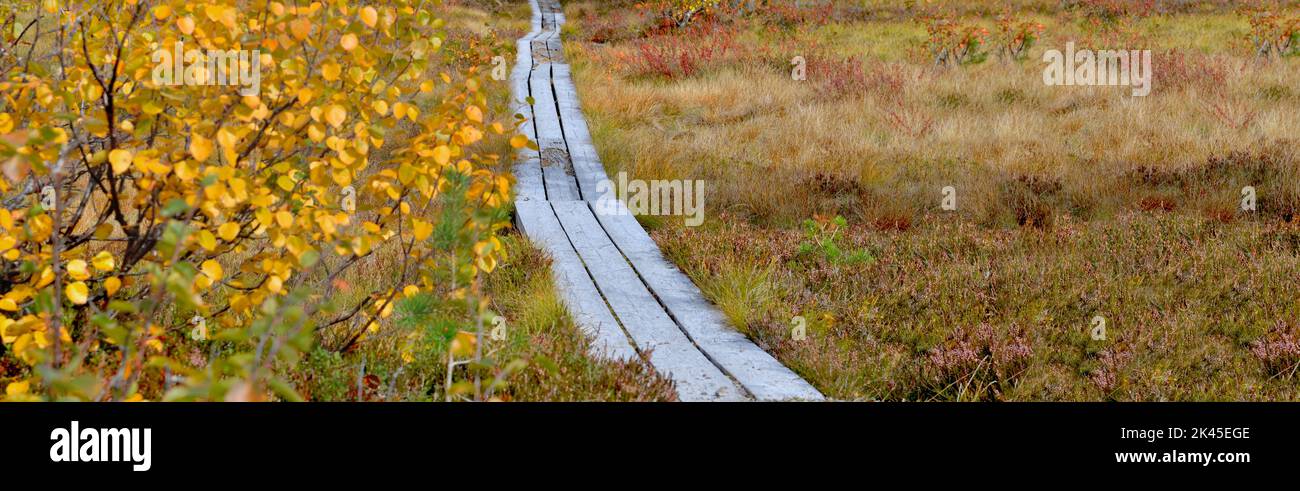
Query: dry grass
(1072, 201)
(907, 129)
(1005, 313)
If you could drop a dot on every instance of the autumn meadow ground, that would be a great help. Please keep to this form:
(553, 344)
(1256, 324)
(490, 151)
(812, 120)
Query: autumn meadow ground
(1073, 204)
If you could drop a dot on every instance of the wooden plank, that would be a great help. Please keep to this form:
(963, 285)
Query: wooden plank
(519, 80)
(556, 50)
(528, 181)
(545, 117)
(520, 72)
(528, 171)
(668, 348)
(537, 44)
(537, 221)
(758, 372)
(557, 171)
(587, 168)
(537, 14)
(560, 186)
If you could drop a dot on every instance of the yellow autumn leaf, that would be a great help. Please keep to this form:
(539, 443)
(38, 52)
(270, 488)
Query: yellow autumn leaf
(335, 115)
(200, 147)
(474, 114)
(17, 388)
(463, 344)
(207, 240)
(46, 277)
(103, 261)
(186, 25)
(469, 135)
(369, 16)
(112, 285)
(518, 141)
(421, 229)
(442, 155)
(77, 270)
(77, 292)
(348, 42)
(212, 269)
(227, 140)
(120, 159)
(213, 11)
(487, 263)
(161, 12)
(484, 247)
(228, 231)
(300, 28)
(274, 283)
(330, 71)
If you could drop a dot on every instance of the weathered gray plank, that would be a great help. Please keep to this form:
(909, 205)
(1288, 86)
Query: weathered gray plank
(757, 371)
(519, 80)
(537, 14)
(545, 117)
(528, 181)
(519, 73)
(587, 168)
(541, 43)
(557, 173)
(537, 221)
(670, 351)
(559, 184)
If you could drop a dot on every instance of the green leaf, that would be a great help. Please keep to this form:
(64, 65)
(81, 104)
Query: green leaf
(308, 258)
(174, 207)
(284, 390)
(122, 306)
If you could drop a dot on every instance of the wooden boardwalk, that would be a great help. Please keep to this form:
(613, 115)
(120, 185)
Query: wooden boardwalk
(612, 277)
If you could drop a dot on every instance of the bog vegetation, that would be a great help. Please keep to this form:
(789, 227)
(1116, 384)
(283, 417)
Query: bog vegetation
(825, 191)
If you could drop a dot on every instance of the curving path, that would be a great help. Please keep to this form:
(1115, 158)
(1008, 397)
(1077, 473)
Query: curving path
(620, 289)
